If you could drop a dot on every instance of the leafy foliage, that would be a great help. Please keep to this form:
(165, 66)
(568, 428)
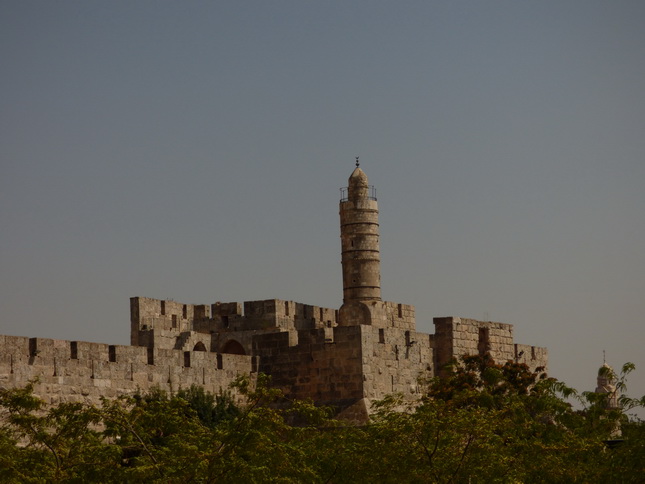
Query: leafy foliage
(482, 422)
(211, 409)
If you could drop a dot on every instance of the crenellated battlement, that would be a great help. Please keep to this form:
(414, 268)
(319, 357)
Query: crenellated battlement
(346, 358)
(158, 323)
(456, 337)
(79, 371)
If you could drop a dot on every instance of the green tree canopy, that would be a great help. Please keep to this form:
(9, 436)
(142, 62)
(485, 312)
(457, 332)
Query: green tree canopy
(482, 422)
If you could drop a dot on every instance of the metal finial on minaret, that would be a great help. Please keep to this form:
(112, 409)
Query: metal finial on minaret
(357, 162)
(604, 360)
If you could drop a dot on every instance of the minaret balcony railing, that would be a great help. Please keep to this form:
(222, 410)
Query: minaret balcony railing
(371, 193)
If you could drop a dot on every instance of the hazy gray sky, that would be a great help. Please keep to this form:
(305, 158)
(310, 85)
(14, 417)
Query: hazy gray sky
(194, 151)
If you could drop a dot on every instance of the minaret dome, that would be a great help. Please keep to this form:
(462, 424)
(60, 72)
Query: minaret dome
(357, 185)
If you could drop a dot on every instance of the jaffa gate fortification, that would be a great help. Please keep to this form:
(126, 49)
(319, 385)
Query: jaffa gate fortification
(345, 358)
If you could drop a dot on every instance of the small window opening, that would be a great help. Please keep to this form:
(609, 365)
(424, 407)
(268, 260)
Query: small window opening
(321, 314)
(33, 346)
(407, 338)
(151, 356)
(234, 348)
(225, 321)
(187, 359)
(174, 321)
(73, 347)
(112, 353)
(400, 309)
(163, 308)
(381, 335)
(286, 308)
(483, 345)
(184, 312)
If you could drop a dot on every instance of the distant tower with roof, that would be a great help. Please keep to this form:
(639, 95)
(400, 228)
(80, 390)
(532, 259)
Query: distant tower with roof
(606, 383)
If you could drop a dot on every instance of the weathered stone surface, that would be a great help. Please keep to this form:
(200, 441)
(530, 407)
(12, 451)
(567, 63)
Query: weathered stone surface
(346, 358)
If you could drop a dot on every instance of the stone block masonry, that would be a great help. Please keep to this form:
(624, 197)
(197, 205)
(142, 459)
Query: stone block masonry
(302, 347)
(456, 337)
(78, 371)
(396, 362)
(323, 366)
(346, 357)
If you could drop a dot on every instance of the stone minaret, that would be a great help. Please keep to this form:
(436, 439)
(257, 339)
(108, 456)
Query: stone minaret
(359, 234)
(606, 383)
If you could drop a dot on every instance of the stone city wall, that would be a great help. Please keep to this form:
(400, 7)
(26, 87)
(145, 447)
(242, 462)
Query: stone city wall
(322, 364)
(533, 356)
(394, 361)
(78, 371)
(400, 316)
(159, 323)
(287, 315)
(378, 313)
(455, 337)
